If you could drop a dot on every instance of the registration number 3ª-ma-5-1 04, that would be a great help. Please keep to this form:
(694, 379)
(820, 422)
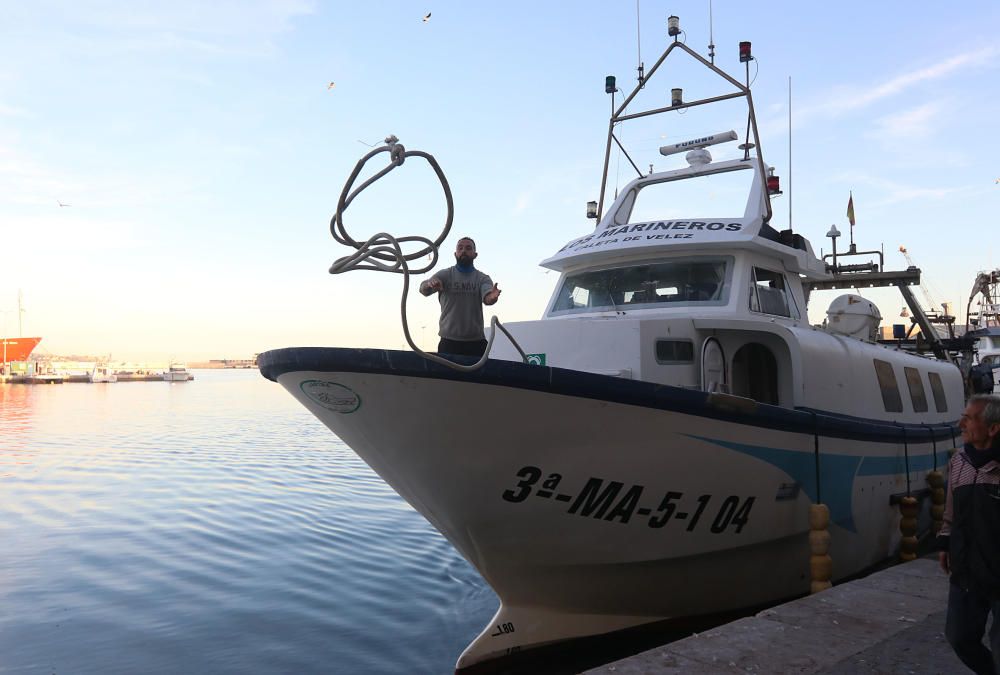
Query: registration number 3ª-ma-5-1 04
(614, 502)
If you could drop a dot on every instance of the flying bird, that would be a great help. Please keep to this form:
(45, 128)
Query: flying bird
(427, 18)
(61, 204)
(331, 86)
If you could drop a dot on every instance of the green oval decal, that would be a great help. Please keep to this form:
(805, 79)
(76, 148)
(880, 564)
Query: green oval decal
(332, 396)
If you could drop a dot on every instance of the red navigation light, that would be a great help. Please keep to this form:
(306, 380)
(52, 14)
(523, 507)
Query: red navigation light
(773, 185)
(745, 52)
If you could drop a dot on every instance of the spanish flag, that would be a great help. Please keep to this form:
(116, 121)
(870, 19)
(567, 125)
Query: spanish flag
(850, 209)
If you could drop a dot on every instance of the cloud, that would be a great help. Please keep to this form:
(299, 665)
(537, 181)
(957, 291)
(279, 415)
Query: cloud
(910, 124)
(900, 83)
(849, 98)
(230, 27)
(892, 192)
(12, 111)
(521, 203)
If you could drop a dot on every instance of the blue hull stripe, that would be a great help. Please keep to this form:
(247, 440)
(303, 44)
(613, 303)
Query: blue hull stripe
(837, 472)
(567, 382)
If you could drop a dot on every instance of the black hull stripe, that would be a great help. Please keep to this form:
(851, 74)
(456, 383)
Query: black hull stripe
(566, 382)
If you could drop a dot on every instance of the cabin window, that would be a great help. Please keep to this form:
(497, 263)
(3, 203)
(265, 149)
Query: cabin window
(769, 293)
(755, 373)
(940, 402)
(916, 386)
(688, 282)
(674, 351)
(891, 399)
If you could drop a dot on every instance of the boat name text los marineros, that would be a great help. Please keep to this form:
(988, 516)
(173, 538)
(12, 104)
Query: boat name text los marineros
(647, 228)
(613, 501)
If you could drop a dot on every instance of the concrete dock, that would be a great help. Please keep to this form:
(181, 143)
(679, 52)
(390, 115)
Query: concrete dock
(891, 622)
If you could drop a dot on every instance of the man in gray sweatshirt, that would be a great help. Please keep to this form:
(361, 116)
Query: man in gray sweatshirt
(462, 291)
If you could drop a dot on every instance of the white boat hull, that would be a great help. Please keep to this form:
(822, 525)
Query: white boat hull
(588, 515)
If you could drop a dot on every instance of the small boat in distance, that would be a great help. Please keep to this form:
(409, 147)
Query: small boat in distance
(102, 372)
(177, 372)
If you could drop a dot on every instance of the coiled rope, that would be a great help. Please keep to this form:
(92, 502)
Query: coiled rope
(383, 252)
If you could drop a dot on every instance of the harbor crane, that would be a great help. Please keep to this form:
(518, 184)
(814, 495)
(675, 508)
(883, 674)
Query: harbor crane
(932, 307)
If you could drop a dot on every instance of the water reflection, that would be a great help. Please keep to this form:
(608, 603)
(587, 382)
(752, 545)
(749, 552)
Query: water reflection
(212, 526)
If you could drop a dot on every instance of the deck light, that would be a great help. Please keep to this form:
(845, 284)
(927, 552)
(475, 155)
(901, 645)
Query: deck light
(609, 85)
(745, 51)
(676, 96)
(673, 26)
(591, 209)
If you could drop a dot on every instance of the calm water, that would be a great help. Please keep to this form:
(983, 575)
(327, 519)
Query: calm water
(212, 526)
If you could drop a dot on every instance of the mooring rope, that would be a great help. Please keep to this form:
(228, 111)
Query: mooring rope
(383, 252)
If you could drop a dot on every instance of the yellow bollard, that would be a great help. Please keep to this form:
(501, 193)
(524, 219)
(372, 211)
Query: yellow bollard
(935, 479)
(908, 509)
(820, 563)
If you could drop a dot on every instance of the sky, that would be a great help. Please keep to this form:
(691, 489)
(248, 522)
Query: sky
(200, 151)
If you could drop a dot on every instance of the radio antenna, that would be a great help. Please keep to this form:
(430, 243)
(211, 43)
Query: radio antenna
(789, 152)
(711, 37)
(638, 48)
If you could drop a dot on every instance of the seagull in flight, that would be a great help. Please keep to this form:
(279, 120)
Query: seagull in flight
(61, 204)
(427, 18)
(331, 86)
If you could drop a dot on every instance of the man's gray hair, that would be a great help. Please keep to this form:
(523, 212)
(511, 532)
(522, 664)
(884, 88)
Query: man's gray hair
(991, 407)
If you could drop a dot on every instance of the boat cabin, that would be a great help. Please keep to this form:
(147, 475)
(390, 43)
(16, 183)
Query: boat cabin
(718, 304)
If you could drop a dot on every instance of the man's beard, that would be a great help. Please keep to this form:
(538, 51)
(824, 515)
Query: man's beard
(464, 260)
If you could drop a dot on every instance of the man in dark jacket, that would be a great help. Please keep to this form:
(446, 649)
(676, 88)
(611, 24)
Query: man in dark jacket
(969, 540)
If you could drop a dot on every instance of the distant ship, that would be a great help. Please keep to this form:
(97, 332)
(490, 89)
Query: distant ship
(17, 349)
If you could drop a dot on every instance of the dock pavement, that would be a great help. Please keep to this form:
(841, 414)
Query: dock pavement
(890, 622)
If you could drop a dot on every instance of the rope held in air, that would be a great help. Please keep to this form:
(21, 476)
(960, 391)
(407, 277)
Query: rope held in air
(383, 252)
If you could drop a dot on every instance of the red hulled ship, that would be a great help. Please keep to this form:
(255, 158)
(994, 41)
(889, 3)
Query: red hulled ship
(17, 349)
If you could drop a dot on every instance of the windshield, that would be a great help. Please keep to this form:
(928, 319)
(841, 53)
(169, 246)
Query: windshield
(688, 282)
(718, 195)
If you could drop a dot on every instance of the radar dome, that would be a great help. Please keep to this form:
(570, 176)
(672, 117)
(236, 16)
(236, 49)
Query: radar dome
(854, 316)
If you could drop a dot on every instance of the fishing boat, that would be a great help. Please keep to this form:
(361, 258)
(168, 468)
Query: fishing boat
(176, 372)
(983, 328)
(103, 373)
(652, 446)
